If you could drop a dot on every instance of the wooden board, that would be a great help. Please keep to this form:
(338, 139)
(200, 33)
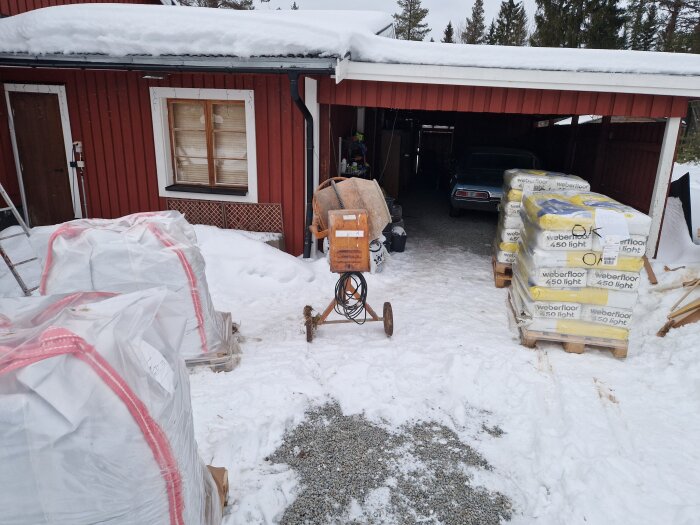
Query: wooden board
(502, 273)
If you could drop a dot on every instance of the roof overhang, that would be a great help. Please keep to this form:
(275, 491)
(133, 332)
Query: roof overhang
(649, 84)
(308, 65)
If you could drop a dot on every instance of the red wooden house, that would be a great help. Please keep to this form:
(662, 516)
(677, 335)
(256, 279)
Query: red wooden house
(98, 120)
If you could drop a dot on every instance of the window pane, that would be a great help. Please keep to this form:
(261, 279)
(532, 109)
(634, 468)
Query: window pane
(230, 145)
(232, 173)
(190, 143)
(188, 115)
(191, 170)
(229, 116)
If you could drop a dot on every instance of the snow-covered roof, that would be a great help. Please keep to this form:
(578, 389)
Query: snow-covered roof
(142, 34)
(118, 30)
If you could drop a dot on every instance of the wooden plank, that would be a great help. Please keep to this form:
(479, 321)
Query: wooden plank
(650, 271)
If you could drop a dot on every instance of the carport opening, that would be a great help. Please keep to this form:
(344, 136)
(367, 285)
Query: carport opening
(414, 154)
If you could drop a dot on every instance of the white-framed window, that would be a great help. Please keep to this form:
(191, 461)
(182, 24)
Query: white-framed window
(205, 143)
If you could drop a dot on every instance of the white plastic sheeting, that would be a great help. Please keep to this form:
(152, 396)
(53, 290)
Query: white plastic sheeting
(95, 414)
(133, 253)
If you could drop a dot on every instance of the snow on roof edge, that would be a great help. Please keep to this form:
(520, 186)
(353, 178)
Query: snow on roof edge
(123, 30)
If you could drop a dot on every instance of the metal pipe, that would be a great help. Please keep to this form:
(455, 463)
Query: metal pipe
(296, 97)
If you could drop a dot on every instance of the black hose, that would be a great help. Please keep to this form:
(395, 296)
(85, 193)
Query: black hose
(351, 296)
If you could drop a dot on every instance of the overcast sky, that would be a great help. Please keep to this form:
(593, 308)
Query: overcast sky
(441, 11)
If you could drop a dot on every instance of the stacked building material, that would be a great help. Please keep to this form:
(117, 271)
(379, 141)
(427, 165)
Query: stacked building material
(137, 252)
(519, 182)
(96, 413)
(578, 264)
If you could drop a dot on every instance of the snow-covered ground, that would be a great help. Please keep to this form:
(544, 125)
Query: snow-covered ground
(588, 438)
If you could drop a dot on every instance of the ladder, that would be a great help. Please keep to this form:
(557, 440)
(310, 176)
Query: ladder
(25, 231)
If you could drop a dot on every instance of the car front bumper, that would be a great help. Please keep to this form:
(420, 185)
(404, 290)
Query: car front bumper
(466, 203)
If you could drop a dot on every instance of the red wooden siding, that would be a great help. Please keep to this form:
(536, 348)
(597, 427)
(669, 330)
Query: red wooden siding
(15, 7)
(496, 100)
(620, 159)
(110, 113)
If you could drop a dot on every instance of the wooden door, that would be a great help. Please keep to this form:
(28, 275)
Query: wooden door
(42, 157)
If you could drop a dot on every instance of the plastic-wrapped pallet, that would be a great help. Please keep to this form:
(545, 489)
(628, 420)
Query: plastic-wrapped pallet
(516, 184)
(578, 265)
(96, 415)
(136, 252)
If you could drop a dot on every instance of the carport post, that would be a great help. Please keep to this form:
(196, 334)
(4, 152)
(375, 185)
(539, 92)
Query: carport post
(663, 179)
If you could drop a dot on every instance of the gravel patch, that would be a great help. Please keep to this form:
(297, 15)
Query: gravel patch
(353, 471)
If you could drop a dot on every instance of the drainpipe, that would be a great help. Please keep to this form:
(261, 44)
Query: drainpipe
(296, 97)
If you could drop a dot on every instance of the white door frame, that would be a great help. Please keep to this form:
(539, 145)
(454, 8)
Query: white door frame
(60, 91)
(663, 179)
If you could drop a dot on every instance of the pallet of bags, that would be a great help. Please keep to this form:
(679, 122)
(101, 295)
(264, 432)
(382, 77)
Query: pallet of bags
(141, 251)
(577, 270)
(97, 420)
(516, 184)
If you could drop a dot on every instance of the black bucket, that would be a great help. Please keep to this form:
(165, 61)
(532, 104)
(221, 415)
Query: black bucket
(387, 237)
(398, 239)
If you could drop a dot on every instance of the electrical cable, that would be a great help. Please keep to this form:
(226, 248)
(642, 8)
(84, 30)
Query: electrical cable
(351, 296)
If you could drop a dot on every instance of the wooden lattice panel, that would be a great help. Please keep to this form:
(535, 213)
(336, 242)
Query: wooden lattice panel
(235, 216)
(254, 217)
(199, 212)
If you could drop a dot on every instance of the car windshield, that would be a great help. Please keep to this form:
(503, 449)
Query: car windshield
(497, 161)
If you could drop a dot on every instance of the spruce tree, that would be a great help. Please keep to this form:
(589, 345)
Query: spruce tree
(642, 25)
(549, 24)
(559, 23)
(409, 24)
(475, 27)
(511, 24)
(449, 34)
(650, 29)
(491, 34)
(603, 27)
(633, 27)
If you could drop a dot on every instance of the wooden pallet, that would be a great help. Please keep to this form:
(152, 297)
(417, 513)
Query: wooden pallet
(502, 273)
(574, 344)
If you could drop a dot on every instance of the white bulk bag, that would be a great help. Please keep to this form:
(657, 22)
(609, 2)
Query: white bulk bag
(95, 414)
(133, 253)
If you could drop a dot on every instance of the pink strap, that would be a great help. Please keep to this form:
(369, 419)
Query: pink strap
(59, 341)
(191, 279)
(66, 229)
